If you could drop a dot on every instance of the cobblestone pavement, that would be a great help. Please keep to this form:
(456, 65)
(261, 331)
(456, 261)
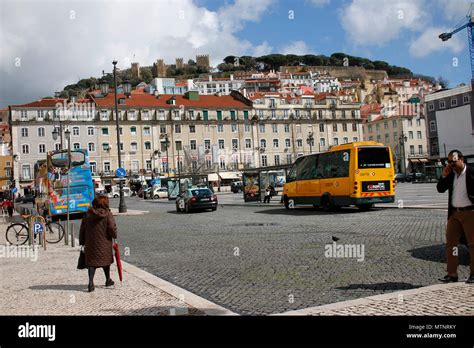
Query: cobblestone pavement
(265, 260)
(445, 299)
(53, 286)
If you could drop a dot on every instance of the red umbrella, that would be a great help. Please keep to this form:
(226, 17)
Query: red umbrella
(118, 260)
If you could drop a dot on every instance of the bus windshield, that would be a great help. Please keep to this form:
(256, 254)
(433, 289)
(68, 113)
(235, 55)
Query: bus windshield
(373, 157)
(61, 159)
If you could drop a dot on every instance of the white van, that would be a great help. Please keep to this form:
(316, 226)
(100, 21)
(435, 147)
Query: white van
(116, 192)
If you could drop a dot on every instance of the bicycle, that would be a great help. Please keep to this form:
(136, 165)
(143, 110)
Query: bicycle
(17, 233)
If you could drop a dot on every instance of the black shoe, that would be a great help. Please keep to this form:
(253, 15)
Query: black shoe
(448, 279)
(109, 282)
(91, 287)
(470, 280)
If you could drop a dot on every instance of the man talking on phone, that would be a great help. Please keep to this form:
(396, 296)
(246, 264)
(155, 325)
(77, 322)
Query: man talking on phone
(459, 180)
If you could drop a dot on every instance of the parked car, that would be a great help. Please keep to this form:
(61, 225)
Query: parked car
(400, 177)
(196, 198)
(237, 186)
(116, 192)
(161, 192)
(28, 198)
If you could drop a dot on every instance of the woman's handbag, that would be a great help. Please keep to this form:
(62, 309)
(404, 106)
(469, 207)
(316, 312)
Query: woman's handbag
(81, 263)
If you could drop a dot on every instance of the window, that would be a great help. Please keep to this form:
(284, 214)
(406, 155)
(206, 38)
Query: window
(287, 128)
(40, 116)
(335, 141)
(454, 102)
(371, 138)
(222, 163)
(221, 144)
(205, 115)
(107, 167)
(321, 127)
(355, 139)
(322, 142)
(465, 99)
(177, 128)
(354, 127)
(90, 130)
(41, 132)
(275, 143)
(343, 113)
(395, 136)
(219, 115)
(207, 144)
(233, 128)
(163, 146)
(345, 140)
(410, 122)
(298, 128)
(24, 115)
(25, 149)
(148, 165)
(178, 145)
(76, 146)
(147, 145)
(75, 131)
(376, 157)
(442, 104)
(262, 128)
(412, 149)
(161, 115)
(105, 146)
(235, 143)
(299, 142)
(344, 127)
(246, 127)
(353, 114)
(192, 128)
(410, 135)
(26, 171)
(91, 147)
(93, 166)
(394, 123)
(387, 138)
(191, 115)
(162, 129)
(145, 115)
(105, 131)
(379, 138)
(289, 159)
(287, 143)
(431, 107)
(42, 148)
(433, 126)
(57, 146)
(377, 127)
(320, 114)
(275, 128)
(248, 144)
(146, 131)
(419, 135)
(24, 132)
(385, 125)
(263, 143)
(135, 166)
(192, 144)
(246, 115)
(220, 128)
(132, 115)
(420, 149)
(277, 160)
(133, 130)
(264, 161)
(232, 115)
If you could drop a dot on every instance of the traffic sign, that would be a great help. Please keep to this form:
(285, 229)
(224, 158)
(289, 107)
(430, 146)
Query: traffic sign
(14, 190)
(38, 227)
(120, 172)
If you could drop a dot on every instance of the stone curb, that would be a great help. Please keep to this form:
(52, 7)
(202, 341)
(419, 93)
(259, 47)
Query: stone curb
(200, 303)
(368, 300)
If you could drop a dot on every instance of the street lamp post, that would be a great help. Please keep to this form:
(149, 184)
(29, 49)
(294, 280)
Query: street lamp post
(68, 227)
(310, 141)
(153, 157)
(60, 133)
(403, 138)
(165, 136)
(122, 206)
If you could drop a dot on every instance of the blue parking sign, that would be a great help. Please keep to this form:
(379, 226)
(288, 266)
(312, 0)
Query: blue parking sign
(38, 227)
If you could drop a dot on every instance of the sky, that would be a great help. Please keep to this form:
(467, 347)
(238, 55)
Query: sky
(46, 45)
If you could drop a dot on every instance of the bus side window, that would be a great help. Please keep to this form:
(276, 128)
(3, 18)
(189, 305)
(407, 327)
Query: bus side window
(292, 174)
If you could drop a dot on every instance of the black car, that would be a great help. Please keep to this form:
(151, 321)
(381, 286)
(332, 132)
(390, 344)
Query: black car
(237, 186)
(400, 177)
(196, 198)
(28, 198)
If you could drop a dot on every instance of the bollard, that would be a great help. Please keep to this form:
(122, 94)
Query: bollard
(73, 244)
(66, 233)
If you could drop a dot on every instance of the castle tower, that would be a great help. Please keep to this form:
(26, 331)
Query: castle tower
(202, 60)
(136, 70)
(179, 63)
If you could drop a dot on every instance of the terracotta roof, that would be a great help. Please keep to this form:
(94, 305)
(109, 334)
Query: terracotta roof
(49, 103)
(148, 100)
(367, 109)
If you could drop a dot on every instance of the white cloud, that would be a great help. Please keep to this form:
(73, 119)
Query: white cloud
(454, 10)
(319, 3)
(429, 43)
(369, 22)
(263, 49)
(297, 47)
(59, 42)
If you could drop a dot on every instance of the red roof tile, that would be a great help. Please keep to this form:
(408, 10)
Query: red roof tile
(148, 100)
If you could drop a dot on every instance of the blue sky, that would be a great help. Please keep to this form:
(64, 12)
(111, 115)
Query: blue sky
(48, 44)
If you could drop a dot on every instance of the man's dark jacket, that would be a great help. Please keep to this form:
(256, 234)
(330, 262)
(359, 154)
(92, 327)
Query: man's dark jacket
(447, 184)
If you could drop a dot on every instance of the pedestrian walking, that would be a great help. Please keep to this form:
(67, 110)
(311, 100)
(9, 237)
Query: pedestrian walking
(458, 178)
(268, 194)
(8, 205)
(97, 231)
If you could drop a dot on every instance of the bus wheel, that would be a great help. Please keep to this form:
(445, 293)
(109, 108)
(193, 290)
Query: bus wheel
(286, 202)
(364, 207)
(326, 203)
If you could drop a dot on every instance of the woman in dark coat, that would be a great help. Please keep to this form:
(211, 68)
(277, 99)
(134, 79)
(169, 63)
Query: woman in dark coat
(98, 228)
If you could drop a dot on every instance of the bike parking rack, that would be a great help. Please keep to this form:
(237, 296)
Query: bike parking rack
(31, 238)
